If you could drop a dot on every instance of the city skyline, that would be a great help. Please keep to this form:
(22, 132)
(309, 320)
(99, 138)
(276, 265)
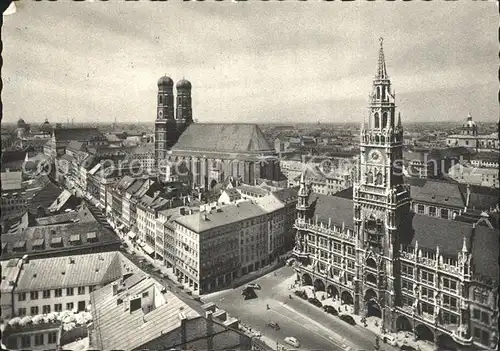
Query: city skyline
(94, 61)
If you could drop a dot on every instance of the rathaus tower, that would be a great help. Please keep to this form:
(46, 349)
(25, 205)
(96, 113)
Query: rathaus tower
(381, 200)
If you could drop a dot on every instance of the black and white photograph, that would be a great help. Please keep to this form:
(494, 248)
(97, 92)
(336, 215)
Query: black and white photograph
(250, 175)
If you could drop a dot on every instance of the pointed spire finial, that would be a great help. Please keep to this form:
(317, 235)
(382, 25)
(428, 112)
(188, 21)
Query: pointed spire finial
(381, 71)
(469, 117)
(399, 119)
(464, 246)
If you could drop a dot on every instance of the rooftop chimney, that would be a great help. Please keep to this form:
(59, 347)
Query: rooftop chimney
(115, 289)
(71, 260)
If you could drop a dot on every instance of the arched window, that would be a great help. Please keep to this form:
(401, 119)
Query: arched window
(161, 99)
(379, 179)
(378, 92)
(369, 177)
(377, 120)
(384, 120)
(383, 93)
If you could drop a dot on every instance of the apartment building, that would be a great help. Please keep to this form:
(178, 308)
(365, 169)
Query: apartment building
(64, 283)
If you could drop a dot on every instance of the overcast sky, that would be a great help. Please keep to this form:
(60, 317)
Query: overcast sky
(249, 62)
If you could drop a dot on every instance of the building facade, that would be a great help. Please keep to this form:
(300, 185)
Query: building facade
(434, 277)
(207, 153)
(469, 137)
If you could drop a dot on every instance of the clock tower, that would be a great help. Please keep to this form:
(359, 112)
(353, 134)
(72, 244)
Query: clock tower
(165, 128)
(381, 202)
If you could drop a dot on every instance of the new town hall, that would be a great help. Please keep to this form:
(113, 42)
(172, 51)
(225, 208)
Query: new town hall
(433, 276)
(208, 153)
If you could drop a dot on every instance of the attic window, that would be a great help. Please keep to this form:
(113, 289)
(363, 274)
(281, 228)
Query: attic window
(56, 242)
(92, 237)
(75, 239)
(19, 245)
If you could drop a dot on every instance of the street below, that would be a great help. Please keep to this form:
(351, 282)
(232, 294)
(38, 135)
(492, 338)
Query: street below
(314, 329)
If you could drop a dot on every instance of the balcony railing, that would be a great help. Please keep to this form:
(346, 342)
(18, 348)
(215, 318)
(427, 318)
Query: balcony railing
(323, 230)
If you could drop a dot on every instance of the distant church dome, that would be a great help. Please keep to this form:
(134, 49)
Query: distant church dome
(469, 123)
(21, 123)
(46, 127)
(183, 84)
(165, 81)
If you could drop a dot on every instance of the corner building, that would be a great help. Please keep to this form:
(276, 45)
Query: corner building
(434, 277)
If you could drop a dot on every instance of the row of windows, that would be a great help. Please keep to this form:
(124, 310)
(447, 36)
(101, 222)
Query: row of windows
(38, 340)
(46, 294)
(34, 310)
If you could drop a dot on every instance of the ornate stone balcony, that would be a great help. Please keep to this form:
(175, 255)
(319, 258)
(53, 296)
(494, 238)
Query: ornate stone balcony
(323, 230)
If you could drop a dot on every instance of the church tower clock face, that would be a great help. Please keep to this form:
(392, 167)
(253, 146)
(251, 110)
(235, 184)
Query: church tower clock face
(375, 156)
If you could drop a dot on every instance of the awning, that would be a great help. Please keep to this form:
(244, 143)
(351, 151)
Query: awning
(132, 235)
(148, 249)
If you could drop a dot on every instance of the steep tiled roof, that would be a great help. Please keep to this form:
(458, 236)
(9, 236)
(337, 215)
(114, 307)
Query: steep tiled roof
(63, 231)
(254, 190)
(228, 214)
(338, 209)
(118, 328)
(75, 145)
(79, 270)
(287, 195)
(78, 134)
(60, 201)
(269, 203)
(10, 273)
(346, 193)
(439, 192)
(223, 137)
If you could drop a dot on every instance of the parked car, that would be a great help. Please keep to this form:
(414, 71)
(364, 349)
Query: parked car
(330, 309)
(348, 319)
(389, 339)
(248, 293)
(314, 301)
(407, 348)
(301, 294)
(254, 286)
(274, 325)
(290, 340)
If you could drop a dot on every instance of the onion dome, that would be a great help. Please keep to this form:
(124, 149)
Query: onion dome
(183, 84)
(21, 123)
(165, 81)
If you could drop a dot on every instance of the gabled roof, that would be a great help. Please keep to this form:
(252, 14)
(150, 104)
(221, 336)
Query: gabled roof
(75, 145)
(287, 195)
(227, 214)
(105, 237)
(60, 201)
(78, 270)
(223, 137)
(439, 192)
(118, 328)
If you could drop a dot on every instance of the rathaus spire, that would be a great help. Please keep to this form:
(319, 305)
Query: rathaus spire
(381, 71)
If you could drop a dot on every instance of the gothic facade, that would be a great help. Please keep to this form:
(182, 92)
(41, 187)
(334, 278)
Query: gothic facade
(205, 154)
(435, 277)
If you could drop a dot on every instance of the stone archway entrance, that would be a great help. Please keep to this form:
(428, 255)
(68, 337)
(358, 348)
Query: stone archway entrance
(423, 332)
(347, 298)
(319, 285)
(332, 291)
(371, 304)
(444, 341)
(213, 183)
(306, 279)
(403, 323)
